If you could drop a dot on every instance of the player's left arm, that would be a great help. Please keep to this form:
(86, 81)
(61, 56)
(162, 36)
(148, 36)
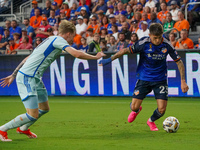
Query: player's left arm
(83, 55)
(181, 68)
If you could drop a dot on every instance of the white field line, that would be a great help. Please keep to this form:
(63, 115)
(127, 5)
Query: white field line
(90, 102)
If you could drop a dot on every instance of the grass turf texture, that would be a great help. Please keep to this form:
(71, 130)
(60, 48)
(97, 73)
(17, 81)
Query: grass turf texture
(100, 123)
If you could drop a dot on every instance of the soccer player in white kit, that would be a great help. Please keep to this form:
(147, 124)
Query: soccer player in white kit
(28, 77)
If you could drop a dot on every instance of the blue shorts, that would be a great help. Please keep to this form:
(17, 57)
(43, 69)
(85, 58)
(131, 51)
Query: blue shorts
(31, 87)
(142, 88)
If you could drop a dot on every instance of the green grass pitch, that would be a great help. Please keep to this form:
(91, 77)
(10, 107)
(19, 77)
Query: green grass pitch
(100, 123)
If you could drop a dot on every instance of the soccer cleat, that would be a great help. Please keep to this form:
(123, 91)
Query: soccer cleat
(4, 137)
(30, 134)
(152, 126)
(133, 115)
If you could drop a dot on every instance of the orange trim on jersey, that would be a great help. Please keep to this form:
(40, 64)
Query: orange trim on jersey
(177, 59)
(131, 50)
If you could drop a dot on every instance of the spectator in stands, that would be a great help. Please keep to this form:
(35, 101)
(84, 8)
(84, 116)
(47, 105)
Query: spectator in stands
(84, 46)
(55, 7)
(47, 9)
(110, 10)
(137, 16)
(144, 31)
(73, 8)
(15, 28)
(122, 42)
(182, 23)
(4, 6)
(58, 2)
(197, 46)
(122, 19)
(66, 8)
(144, 18)
(4, 40)
(83, 4)
(38, 40)
(184, 42)
(139, 8)
(25, 44)
(77, 40)
(134, 26)
(62, 15)
(24, 33)
(112, 21)
(71, 3)
(55, 29)
(90, 35)
(100, 7)
(8, 24)
(154, 19)
(42, 29)
(169, 24)
(99, 18)
(177, 3)
(103, 33)
(94, 24)
(129, 14)
(172, 38)
(30, 30)
(193, 14)
(94, 45)
(134, 38)
(73, 20)
(16, 37)
(183, 5)
(35, 6)
(103, 45)
(120, 8)
(84, 14)
(174, 10)
(143, 2)
(150, 4)
(52, 19)
(36, 20)
(50, 31)
(112, 44)
(81, 27)
(148, 11)
(1, 32)
(115, 31)
(162, 14)
(11, 47)
(125, 30)
(104, 21)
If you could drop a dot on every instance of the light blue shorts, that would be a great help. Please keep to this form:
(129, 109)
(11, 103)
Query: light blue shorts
(31, 87)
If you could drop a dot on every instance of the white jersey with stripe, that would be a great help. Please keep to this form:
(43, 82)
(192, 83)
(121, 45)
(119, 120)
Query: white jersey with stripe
(43, 55)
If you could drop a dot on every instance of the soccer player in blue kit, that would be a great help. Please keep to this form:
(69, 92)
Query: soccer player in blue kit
(28, 77)
(151, 72)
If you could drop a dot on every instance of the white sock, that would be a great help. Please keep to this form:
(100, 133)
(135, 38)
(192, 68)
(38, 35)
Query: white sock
(150, 120)
(17, 122)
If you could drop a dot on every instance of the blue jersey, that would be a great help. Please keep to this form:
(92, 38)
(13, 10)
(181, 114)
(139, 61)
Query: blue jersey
(52, 21)
(152, 64)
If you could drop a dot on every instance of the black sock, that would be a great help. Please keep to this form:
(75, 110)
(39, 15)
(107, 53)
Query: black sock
(156, 115)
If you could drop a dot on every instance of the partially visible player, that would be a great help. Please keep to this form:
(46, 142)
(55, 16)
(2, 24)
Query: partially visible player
(152, 72)
(28, 77)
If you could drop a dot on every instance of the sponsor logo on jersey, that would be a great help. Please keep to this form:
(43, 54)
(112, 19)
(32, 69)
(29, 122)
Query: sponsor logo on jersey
(164, 50)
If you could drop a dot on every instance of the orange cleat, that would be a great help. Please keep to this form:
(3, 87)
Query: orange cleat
(4, 137)
(30, 134)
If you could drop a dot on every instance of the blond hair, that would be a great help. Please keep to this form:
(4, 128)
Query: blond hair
(66, 26)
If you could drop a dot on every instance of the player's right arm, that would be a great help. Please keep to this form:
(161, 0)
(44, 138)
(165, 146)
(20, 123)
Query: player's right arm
(9, 79)
(120, 53)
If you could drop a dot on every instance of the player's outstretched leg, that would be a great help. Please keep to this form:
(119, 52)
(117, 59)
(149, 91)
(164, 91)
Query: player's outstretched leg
(16, 122)
(25, 128)
(133, 114)
(150, 122)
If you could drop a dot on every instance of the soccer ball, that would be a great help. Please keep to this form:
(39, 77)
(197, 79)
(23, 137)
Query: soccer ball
(171, 124)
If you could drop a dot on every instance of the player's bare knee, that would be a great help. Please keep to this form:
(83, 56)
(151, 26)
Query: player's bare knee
(162, 110)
